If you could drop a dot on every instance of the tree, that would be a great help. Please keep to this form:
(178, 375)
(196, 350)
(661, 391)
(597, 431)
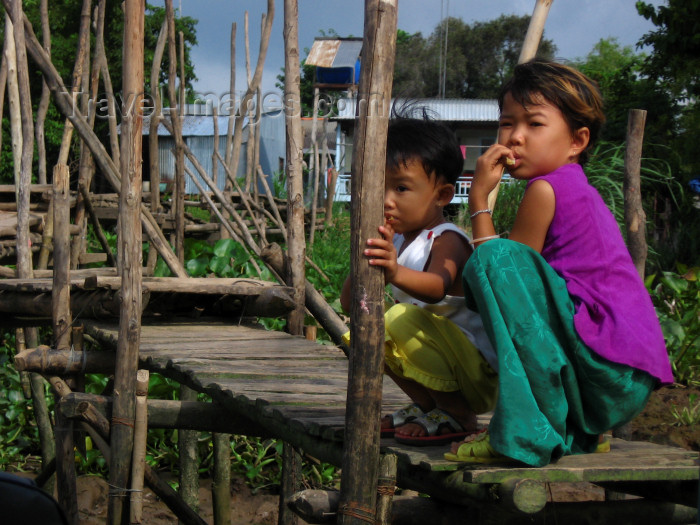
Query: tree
(64, 16)
(675, 64)
(479, 58)
(618, 71)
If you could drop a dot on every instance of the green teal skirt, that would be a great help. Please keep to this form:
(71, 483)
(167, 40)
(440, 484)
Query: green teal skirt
(555, 394)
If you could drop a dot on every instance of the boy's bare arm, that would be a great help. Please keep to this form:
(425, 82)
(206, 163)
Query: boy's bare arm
(447, 258)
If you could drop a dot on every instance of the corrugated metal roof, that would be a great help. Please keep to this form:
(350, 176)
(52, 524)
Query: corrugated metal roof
(339, 52)
(459, 110)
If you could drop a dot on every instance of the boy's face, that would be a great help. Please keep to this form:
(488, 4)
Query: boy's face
(413, 201)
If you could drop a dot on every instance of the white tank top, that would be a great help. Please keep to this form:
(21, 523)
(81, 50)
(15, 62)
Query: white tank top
(415, 256)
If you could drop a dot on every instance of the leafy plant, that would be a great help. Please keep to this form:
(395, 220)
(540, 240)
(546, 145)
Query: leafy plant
(690, 415)
(676, 297)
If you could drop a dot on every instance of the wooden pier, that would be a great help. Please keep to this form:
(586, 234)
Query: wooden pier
(276, 385)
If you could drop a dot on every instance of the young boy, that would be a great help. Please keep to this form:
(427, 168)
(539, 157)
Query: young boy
(436, 349)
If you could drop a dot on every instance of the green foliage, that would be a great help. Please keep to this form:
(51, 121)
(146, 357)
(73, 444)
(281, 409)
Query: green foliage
(509, 196)
(480, 57)
(690, 415)
(18, 431)
(676, 297)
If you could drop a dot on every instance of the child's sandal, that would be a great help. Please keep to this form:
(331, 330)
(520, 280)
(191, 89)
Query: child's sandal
(478, 450)
(401, 417)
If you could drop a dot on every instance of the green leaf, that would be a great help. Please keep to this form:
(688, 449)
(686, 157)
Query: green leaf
(225, 247)
(197, 267)
(220, 266)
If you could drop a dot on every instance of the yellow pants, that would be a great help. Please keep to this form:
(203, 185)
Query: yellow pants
(432, 351)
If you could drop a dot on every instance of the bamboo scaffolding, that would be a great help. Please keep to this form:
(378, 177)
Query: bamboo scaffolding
(103, 160)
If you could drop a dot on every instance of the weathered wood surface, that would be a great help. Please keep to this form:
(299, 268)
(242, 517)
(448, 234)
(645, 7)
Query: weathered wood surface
(296, 389)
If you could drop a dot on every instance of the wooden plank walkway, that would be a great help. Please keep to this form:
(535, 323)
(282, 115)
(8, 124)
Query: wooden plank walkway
(295, 389)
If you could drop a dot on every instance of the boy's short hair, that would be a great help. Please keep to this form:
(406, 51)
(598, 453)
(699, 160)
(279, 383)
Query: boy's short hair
(431, 142)
(573, 93)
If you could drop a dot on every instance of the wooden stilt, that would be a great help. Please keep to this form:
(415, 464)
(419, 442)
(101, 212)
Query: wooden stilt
(361, 448)
(635, 218)
(221, 484)
(138, 462)
(65, 455)
(296, 247)
(122, 435)
(189, 460)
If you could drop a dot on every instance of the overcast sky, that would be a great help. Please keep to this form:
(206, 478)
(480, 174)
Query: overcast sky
(575, 26)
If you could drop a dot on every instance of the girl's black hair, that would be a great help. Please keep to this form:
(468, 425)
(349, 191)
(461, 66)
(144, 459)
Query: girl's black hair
(573, 93)
(414, 135)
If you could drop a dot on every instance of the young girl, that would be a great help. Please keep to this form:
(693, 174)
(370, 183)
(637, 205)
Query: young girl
(579, 345)
(436, 350)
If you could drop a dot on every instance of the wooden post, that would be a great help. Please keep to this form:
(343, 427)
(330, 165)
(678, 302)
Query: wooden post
(535, 30)
(102, 159)
(221, 484)
(179, 186)
(363, 407)
(296, 241)
(295, 184)
(43, 107)
(315, 172)
(65, 460)
(189, 462)
(635, 218)
(528, 52)
(122, 435)
(138, 461)
(156, 116)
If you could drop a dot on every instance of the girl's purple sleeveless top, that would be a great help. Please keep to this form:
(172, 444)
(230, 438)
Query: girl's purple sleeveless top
(613, 315)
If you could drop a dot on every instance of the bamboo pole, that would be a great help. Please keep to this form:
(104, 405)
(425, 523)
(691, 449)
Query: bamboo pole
(315, 172)
(156, 117)
(296, 246)
(361, 448)
(232, 96)
(635, 218)
(530, 44)
(138, 461)
(250, 92)
(43, 107)
(103, 160)
(65, 460)
(15, 54)
(179, 187)
(535, 30)
(10, 55)
(121, 439)
(189, 461)
(221, 484)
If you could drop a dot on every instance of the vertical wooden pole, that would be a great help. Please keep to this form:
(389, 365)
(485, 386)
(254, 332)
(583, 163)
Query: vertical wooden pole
(530, 44)
(189, 462)
(635, 218)
(221, 484)
(535, 30)
(361, 450)
(154, 160)
(123, 416)
(296, 241)
(179, 187)
(315, 171)
(60, 298)
(138, 461)
(295, 183)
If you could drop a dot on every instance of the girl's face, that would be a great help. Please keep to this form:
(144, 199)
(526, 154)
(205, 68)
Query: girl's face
(539, 138)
